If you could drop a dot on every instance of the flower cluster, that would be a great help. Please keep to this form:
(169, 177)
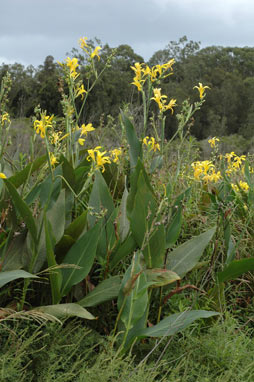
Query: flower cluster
(213, 141)
(161, 101)
(234, 162)
(240, 186)
(41, 126)
(84, 130)
(157, 72)
(205, 171)
(98, 158)
(115, 154)
(88, 49)
(151, 144)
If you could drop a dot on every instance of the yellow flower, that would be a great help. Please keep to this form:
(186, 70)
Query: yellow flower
(151, 144)
(81, 141)
(238, 161)
(53, 159)
(244, 186)
(201, 90)
(95, 52)
(158, 97)
(2, 175)
(161, 101)
(137, 83)
(86, 128)
(98, 157)
(83, 43)
(170, 105)
(5, 117)
(229, 156)
(115, 154)
(213, 141)
(205, 171)
(73, 65)
(137, 69)
(41, 126)
(80, 91)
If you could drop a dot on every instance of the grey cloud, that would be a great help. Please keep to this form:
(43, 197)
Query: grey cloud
(32, 29)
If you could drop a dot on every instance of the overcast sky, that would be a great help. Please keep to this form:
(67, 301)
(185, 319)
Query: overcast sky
(30, 30)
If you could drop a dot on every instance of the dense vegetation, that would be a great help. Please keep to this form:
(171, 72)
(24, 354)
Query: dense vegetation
(111, 220)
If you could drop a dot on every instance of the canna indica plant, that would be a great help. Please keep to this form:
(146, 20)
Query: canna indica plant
(76, 215)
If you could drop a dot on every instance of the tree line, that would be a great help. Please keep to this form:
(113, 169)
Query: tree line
(229, 73)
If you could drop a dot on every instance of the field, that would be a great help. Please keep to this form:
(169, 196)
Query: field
(125, 254)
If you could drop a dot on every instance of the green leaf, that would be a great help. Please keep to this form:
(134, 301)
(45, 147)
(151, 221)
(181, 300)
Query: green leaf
(175, 323)
(157, 277)
(126, 248)
(133, 296)
(23, 209)
(155, 248)
(100, 197)
(134, 186)
(55, 276)
(20, 177)
(144, 209)
(186, 256)
(76, 228)
(8, 276)
(82, 254)
(65, 310)
(105, 291)
(135, 145)
(56, 216)
(235, 269)
(173, 231)
(124, 224)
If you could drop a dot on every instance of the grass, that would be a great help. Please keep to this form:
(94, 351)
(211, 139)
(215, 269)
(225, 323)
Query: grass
(72, 353)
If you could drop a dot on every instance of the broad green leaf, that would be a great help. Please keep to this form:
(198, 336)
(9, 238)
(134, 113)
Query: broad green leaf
(157, 163)
(106, 290)
(175, 323)
(65, 310)
(82, 254)
(144, 209)
(157, 277)
(8, 276)
(20, 177)
(123, 250)
(230, 248)
(123, 222)
(135, 145)
(141, 220)
(55, 276)
(173, 231)
(76, 228)
(182, 259)
(100, 198)
(50, 190)
(134, 177)
(23, 209)
(14, 255)
(154, 251)
(56, 216)
(133, 296)
(108, 238)
(235, 269)
(62, 247)
(68, 173)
